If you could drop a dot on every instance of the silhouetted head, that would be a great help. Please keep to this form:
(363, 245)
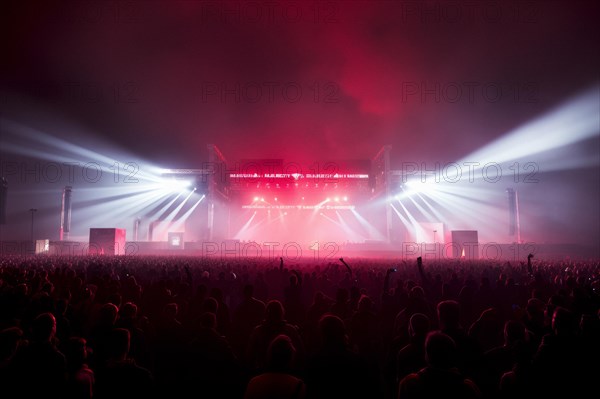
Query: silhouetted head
(448, 314)
(333, 330)
(418, 325)
(440, 350)
(108, 314)
(128, 310)
(208, 320)
(514, 331)
(563, 322)
(489, 315)
(416, 292)
(274, 311)
(22, 289)
(75, 350)
(365, 304)
(281, 353)
(210, 305)
(535, 308)
(44, 327)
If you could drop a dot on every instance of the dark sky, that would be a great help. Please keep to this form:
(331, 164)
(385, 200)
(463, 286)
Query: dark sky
(296, 80)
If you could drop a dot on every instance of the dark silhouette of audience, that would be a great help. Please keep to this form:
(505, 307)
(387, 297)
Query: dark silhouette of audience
(411, 358)
(277, 381)
(336, 370)
(40, 368)
(273, 325)
(211, 367)
(440, 378)
(80, 378)
(248, 314)
(120, 376)
(116, 327)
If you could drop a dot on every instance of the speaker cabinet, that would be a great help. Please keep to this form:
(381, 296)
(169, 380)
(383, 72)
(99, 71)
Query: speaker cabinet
(465, 244)
(107, 241)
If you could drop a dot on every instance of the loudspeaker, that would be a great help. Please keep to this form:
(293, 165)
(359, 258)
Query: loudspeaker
(107, 241)
(465, 244)
(65, 212)
(67, 209)
(136, 229)
(512, 211)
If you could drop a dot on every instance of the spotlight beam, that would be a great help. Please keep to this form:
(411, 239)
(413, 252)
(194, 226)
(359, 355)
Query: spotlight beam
(240, 234)
(181, 220)
(572, 122)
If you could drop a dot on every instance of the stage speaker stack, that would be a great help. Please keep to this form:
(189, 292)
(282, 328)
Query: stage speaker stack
(65, 213)
(512, 211)
(107, 241)
(465, 244)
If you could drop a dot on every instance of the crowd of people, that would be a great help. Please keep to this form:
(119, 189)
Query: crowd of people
(134, 326)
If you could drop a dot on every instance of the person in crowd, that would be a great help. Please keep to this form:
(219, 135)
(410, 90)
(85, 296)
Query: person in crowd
(273, 325)
(210, 366)
(40, 368)
(121, 377)
(411, 358)
(440, 378)
(558, 365)
(449, 323)
(80, 378)
(277, 381)
(336, 371)
(248, 314)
